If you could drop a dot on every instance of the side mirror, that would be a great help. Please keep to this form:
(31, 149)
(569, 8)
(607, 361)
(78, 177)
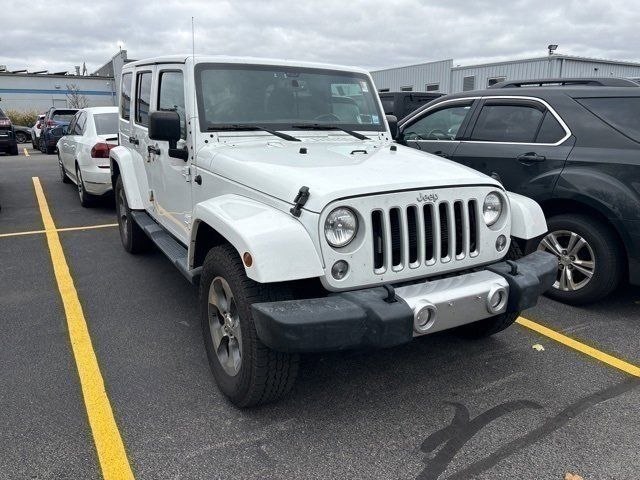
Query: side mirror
(165, 126)
(392, 120)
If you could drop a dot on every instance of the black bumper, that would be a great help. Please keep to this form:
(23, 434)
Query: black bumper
(365, 319)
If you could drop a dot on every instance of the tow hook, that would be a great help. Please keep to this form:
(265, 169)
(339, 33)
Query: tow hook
(299, 201)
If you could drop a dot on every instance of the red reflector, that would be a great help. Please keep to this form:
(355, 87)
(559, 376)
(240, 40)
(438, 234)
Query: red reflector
(101, 150)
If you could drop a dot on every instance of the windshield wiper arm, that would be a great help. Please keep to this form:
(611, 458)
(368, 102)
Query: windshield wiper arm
(322, 126)
(249, 128)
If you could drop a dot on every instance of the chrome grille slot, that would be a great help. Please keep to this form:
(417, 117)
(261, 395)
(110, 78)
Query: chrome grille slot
(424, 235)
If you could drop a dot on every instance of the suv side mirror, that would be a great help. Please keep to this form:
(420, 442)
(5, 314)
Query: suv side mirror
(392, 120)
(165, 126)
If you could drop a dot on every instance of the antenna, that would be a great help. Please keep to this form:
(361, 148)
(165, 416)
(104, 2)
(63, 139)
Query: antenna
(194, 126)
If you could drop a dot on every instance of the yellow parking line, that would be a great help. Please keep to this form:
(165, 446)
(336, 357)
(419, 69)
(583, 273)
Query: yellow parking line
(581, 347)
(111, 452)
(26, 152)
(67, 229)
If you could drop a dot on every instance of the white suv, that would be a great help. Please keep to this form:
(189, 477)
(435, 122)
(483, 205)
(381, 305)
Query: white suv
(276, 186)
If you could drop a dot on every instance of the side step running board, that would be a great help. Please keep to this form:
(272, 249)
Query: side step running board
(168, 245)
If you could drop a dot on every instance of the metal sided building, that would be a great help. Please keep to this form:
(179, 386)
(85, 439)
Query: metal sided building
(36, 92)
(443, 77)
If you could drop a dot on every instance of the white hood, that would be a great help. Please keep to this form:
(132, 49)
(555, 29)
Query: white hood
(333, 169)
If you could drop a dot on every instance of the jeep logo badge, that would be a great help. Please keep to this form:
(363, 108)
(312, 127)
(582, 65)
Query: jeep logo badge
(427, 197)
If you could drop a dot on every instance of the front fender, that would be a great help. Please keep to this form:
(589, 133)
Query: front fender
(281, 248)
(122, 157)
(527, 218)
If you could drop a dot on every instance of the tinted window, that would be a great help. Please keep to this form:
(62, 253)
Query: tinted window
(2, 115)
(387, 105)
(106, 123)
(81, 119)
(507, 123)
(63, 115)
(72, 125)
(171, 96)
(442, 124)
(550, 131)
(143, 98)
(622, 114)
(125, 96)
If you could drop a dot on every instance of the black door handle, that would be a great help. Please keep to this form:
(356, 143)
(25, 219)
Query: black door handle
(442, 154)
(152, 149)
(530, 158)
(134, 140)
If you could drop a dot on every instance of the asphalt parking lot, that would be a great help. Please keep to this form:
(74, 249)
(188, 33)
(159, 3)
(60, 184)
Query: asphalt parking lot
(518, 405)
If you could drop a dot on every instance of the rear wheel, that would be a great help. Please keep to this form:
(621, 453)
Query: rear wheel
(246, 371)
(86, 199)
(134, 240)
(21, 137)
(590, 258)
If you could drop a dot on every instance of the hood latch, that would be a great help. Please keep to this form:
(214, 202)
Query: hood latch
(300, 200)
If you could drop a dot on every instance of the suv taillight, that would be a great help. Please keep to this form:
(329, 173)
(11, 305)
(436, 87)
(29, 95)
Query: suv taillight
(101, 150)
(5, 122)
(51, 123)
(38, 125)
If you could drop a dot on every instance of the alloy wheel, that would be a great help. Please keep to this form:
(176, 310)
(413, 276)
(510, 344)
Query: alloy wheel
(224, 326)
(576, 260)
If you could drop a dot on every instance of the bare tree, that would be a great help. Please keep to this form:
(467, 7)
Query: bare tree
(75, 98)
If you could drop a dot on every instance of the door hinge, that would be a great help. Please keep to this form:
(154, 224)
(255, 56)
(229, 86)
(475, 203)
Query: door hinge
(151, 196)
(186, 173)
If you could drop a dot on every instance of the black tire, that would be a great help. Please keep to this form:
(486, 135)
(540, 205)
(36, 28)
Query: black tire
(264, 375)
(21, 137)
(41, 145)
(63, 175)
(133, 238)
(34, 143)
(492, 325)
(50, 150)
(14, 150)
(608, 258)
(86, 199)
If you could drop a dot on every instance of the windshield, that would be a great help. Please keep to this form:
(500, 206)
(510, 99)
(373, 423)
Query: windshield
(285, 97)
(106, 123)
(63, 115)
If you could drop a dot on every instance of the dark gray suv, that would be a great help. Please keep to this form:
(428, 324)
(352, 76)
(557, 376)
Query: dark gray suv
(573, 145)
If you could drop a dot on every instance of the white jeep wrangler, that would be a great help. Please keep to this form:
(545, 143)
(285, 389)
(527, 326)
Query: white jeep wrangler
(276, 186)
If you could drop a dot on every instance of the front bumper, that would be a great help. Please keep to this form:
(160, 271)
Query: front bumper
(372, 318)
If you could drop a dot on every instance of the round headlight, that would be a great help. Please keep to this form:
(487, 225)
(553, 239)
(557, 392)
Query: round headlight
(340, 227)
(492, 208)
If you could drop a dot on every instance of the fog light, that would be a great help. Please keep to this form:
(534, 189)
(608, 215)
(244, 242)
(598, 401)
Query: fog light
(339, 269)
(424, 316)
(501, 242)
(497, 299)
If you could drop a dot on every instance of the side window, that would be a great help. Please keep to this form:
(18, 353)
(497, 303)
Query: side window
(72, 125)
(80, 123)
(171, 96)
(143, 98)
(619, 112)
(550, 131)
(507, 123)
(125, 96)
(441, 124)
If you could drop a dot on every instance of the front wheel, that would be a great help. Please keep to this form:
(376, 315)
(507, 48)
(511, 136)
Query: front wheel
(246, 371)
(590, 259)
(134, 240)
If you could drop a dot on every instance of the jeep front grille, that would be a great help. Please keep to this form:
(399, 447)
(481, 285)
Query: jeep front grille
(414, 236)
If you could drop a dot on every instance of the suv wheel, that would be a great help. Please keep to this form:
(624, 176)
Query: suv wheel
(63, 174)
(246, 371)
(134, 240)
(21, 137)
(589, 258)
(86, 199)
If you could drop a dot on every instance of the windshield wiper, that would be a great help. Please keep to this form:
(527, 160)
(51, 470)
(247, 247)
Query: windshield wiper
(249, 128)
(323, 126)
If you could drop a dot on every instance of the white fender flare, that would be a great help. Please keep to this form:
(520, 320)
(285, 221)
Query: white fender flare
(280, 247)
(527, 218)
(123, 158)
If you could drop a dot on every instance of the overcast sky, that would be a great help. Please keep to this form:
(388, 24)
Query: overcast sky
(368, 33)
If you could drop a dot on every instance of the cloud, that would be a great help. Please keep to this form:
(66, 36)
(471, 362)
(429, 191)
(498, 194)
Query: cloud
(367, 33)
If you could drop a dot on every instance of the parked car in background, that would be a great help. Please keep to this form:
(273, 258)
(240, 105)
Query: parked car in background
(402, 104)
(23, 134)
(35, 131)
(573, 145)
(52, 130)
(83, 153)
(8, 142)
